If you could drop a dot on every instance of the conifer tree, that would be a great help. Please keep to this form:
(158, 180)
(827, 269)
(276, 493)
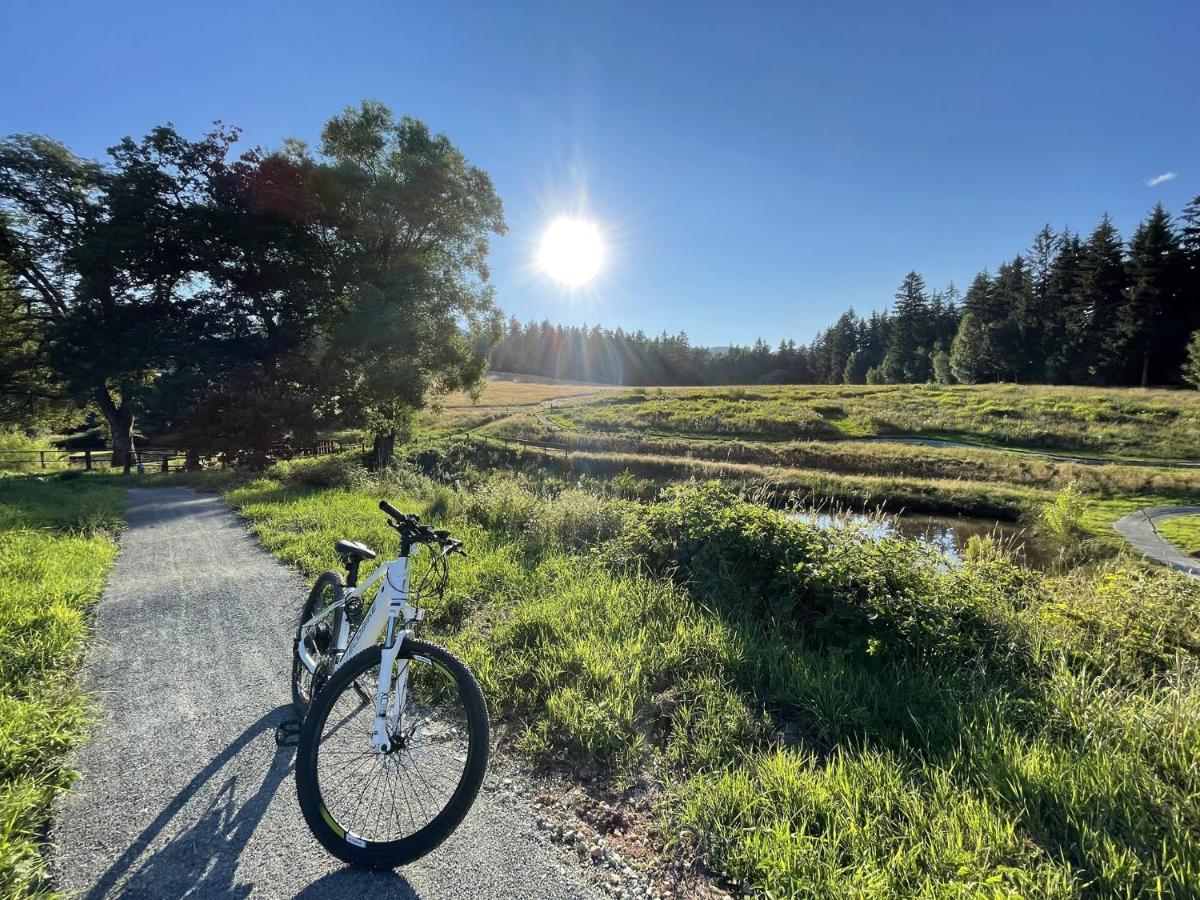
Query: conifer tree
(907, 358)
(1102, 283)
(1149, 325)
(1191, 365)
(973, 355)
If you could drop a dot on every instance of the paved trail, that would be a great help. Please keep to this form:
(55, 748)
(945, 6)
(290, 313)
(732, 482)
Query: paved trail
(1140, 529)
(184, 793)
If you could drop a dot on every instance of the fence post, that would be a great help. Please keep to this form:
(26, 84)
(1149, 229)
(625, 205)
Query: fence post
(164, 462)
(87, 460)
(42, 454)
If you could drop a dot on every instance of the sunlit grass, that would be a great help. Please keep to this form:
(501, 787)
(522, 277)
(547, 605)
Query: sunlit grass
(56, 547)
(826, 715)
(1183, 532)
(1153, 424)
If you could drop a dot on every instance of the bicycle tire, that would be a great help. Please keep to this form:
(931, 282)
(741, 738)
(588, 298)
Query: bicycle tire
(301, 680)
(336, 837)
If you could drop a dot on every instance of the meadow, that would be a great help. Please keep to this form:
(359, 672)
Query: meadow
(818, 713)
(814, 712)
(992, 451)
(1117, 422)
(56, 547)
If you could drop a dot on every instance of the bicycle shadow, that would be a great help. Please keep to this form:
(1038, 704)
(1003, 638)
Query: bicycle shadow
(201, 860)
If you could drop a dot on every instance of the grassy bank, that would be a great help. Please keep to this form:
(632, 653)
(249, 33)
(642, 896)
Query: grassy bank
(1150, 424)
(56, 547)
(825, 715)
(1183, 532)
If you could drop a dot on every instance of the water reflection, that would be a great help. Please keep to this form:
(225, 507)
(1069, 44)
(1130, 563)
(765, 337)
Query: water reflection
(947, 535)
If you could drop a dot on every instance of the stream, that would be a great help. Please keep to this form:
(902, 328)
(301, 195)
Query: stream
(946, 534)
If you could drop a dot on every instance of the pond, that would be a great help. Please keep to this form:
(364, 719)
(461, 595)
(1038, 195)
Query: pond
(946, 534)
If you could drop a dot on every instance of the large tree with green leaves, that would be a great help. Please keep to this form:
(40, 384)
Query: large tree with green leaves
(412, 230)
(105, 262)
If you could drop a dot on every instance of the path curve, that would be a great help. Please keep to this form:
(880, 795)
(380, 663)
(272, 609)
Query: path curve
(183, 791)
(1028, 451)
(1140, 529)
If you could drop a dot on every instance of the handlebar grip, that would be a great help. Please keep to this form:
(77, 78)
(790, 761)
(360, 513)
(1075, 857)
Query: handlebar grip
(391, 511)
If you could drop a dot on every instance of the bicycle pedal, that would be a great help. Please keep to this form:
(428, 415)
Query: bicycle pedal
(287, 734)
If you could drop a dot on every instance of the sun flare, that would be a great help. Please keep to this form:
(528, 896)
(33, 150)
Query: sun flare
(571, 251)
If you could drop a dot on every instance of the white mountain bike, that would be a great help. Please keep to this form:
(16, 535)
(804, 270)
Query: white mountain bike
(394, 741)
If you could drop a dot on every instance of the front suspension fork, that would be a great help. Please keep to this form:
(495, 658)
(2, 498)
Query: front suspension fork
(389, 715)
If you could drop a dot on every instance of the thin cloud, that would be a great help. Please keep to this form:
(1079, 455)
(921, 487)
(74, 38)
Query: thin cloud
(1162, 179)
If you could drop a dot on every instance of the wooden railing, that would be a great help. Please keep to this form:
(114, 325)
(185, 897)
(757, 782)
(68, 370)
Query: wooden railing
(519, 442)
(156, 458)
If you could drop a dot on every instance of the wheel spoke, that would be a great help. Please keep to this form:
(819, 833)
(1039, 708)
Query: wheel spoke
(369, 793)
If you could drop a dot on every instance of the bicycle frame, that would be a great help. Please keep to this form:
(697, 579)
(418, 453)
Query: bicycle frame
(389, 609)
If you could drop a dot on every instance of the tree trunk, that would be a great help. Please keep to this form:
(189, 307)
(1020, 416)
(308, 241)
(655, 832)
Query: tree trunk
(1146, 363)
(120, 428)
(383, 450)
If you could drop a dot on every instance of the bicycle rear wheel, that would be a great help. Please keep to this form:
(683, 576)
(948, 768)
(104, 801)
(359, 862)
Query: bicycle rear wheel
(320, 640)
(382, 810)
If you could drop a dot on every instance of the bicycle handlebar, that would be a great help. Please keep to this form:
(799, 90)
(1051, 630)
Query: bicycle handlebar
(411, 530)
(392, 511)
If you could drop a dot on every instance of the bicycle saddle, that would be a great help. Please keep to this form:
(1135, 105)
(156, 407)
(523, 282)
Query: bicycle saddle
(354, 550)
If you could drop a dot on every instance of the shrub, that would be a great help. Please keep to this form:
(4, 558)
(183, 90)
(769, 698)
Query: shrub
(1191, 368)
(827, 587)
(1061, 524)
(16, 455)
(338, 471)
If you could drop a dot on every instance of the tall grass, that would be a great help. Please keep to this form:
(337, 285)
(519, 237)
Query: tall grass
(18, 452)
(827, 715)
(56, 547)
(1113, 422)
(1183, 532)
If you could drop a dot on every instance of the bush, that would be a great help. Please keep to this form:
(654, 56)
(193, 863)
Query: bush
(1061, 524)
(338, 471)
(16, 452)
(827, 587)
(1191, 368)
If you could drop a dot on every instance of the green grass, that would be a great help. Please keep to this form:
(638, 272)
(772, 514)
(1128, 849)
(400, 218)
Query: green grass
(764, 436)
(825, 715)
(56, 547)
(1183, 532)
(1150, 424)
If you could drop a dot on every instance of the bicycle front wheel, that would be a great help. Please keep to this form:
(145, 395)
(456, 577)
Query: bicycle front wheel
(384, 809)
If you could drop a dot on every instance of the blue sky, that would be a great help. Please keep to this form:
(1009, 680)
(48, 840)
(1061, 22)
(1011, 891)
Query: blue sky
(757, 167)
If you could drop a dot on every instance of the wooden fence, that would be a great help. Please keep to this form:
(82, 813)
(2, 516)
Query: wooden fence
(157, 459)
(160, 459)
(519, 443)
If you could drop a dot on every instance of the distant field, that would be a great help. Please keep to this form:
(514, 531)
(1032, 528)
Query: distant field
(860, 446)
(1153, 424)
(502, 389)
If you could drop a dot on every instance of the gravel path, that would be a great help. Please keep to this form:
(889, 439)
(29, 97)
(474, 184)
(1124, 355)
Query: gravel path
(184, 793)
(1139, 528)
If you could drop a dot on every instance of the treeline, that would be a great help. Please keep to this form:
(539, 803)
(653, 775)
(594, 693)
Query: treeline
(230, 304)
(1070, 310)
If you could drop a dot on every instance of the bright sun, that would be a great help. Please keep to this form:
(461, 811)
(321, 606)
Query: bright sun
(572, 251)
